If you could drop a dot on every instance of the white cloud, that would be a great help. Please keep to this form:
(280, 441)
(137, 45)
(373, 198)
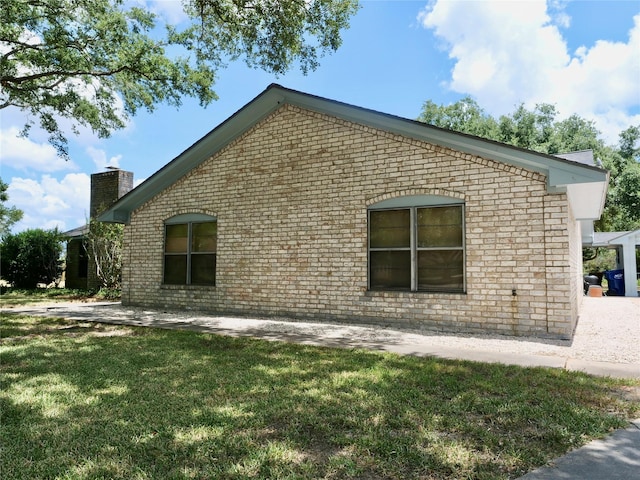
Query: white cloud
(507, 53)
(603, 82)
(50, 203)
(25, 154)
(171, 10)
(99, 158)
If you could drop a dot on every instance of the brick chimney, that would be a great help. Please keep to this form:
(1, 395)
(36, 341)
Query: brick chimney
(107, 187)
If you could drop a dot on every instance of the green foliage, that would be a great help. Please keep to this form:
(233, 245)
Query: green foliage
(625, 196)
(622, 207)
(104, 244)
(96, 62)
(464, 116)
(604, 259)
(8, 215)
(31, 257)
(268, 34)
(539, 130)
(19, 296)
(108, 294)
(629, 146)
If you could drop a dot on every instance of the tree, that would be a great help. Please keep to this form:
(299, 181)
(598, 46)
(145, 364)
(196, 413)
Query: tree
(463, 116)
(622, 206)
(625, 195)
(8, 215)
(539, 130)
(96, 62)
(31, 257)
(104, 244)
(630, 143)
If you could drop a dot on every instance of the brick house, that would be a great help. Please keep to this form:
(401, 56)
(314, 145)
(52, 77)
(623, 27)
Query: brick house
(304, 207)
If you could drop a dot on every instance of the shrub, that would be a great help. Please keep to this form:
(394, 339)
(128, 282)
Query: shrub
(31, 257)
(104, 243)
(108, 294)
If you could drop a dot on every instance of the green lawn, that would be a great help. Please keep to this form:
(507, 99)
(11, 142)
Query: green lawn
(14, 296)
(89, 401)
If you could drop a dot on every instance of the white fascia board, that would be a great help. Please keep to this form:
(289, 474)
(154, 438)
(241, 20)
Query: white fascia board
(587, 199)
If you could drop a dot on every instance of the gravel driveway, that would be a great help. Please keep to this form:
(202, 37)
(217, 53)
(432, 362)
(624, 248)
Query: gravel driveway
(608, 330)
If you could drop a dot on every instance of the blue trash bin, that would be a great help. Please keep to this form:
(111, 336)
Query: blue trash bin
(616, 282)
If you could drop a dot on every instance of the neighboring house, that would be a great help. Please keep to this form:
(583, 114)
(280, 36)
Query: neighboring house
(304, 207)
(106, 188)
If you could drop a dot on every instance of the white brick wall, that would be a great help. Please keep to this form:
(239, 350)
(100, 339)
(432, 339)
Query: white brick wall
(291, 199)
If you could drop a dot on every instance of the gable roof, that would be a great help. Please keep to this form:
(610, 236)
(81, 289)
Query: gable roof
(77, 232)
(582, 156)
(586, 184)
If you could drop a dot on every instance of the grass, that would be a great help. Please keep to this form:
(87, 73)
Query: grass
(90, 401)
(15, 296)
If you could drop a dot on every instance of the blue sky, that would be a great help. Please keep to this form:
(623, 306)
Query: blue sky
(582, 56)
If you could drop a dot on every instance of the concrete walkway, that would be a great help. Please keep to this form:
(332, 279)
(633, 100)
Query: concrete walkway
(606, 342)
(617, 457)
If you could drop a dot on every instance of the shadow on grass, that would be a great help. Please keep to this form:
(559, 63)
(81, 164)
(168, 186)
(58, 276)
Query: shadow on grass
(149, 403)
(22, 326)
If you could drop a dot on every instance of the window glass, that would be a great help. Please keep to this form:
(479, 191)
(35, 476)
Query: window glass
(203, 269)
(390, 270)
(176, 238)
(204, 237)
(434, 262)
(175, 269)
(440, 227)
(390, 229)
(440, 270)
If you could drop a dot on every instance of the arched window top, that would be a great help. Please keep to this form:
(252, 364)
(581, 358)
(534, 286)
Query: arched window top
(416, 201)
(190, 218)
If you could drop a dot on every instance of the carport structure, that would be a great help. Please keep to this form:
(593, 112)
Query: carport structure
(626, 246)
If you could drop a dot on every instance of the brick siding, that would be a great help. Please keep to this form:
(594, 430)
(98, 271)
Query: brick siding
(291, 198)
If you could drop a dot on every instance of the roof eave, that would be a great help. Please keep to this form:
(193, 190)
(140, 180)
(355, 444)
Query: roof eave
(559, 172)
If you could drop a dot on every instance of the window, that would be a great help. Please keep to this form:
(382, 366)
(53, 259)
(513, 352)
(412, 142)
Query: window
(417, 248)
(190, 251)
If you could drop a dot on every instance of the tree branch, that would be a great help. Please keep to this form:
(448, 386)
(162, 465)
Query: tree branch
(22, 45)
(6, 80)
